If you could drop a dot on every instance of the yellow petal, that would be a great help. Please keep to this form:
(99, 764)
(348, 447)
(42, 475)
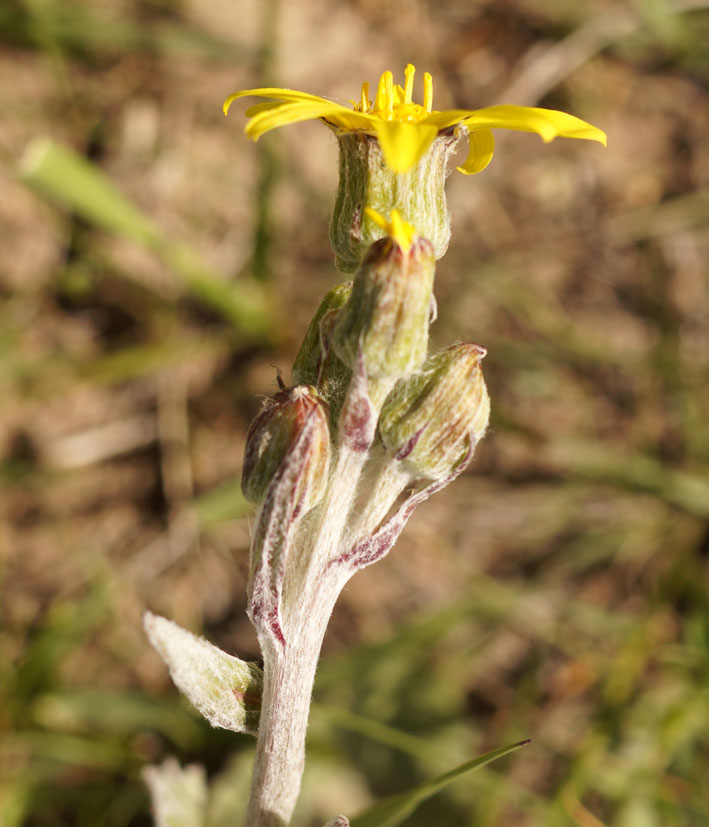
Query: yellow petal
(264, 106)
(548, 123)
(482, 146)
(451, 117)
(349, 120)
(286, 95)
(287, 113)
(403, 144)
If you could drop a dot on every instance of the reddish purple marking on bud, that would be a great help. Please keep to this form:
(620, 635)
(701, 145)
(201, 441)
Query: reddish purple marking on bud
(357, 428)
(268, 618)
(358, 421)
(409, 446)
(327, 326)
(274, 624)
(373, 548)
(310, 419)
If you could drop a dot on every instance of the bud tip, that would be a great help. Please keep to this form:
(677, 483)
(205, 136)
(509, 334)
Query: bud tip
(396, 228)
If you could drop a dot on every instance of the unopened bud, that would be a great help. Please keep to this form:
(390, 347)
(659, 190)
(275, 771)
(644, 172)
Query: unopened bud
(367, 181)
(306, 367)
(432, 420)
(385, 322)
(316, 363)
(276, 437)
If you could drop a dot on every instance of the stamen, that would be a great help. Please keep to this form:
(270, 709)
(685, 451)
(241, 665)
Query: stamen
(427, 92)
(364, 103)
(409, 73)
(380, 100)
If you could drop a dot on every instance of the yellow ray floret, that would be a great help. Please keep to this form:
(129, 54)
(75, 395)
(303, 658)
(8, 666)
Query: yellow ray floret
(405, 130)
(395, 228)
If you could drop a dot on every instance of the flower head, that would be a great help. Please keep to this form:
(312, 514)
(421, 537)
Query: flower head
(404, 129)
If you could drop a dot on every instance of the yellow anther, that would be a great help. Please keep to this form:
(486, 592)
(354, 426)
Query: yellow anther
(427, 92)
(409, 73)
(397, 229)
(394, 102)
(364, 101)
(380, 99)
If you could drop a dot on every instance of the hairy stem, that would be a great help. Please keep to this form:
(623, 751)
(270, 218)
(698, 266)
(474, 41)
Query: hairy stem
(280, 750)
(289, 673)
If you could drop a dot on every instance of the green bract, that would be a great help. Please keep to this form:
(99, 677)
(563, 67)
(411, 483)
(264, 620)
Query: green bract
(384, 325)
(432, 420)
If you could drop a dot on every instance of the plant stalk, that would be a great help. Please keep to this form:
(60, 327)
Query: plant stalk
(289, 673)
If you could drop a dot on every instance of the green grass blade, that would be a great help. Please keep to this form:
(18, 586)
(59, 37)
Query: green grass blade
(392, 811)
(65, 176)
(635, 472)
(222, 503)
(376, 731)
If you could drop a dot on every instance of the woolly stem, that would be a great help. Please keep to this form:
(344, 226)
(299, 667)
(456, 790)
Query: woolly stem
(280, 749)
(310, 593)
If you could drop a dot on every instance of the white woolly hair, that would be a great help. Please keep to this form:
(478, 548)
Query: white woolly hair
(223, 688)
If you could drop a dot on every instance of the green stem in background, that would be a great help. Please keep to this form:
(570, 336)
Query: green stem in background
(66, 177)
(267, 154)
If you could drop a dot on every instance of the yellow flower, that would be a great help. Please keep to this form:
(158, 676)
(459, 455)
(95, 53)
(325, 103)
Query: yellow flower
(405, 130)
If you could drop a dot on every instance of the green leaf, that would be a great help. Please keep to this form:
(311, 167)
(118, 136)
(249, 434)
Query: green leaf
(63, 175)
(392, 811)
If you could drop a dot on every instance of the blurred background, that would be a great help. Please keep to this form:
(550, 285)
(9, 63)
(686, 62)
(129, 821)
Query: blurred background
(157, 268)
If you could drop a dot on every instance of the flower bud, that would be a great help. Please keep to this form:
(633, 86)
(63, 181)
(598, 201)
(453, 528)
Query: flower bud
(432, 420)
(385, 322)
(275, 439)
(316, 363)
(286, 470)
(306, 367)
(367, 181)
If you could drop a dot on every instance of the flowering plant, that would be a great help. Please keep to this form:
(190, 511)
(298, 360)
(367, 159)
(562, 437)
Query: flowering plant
(373, 425)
